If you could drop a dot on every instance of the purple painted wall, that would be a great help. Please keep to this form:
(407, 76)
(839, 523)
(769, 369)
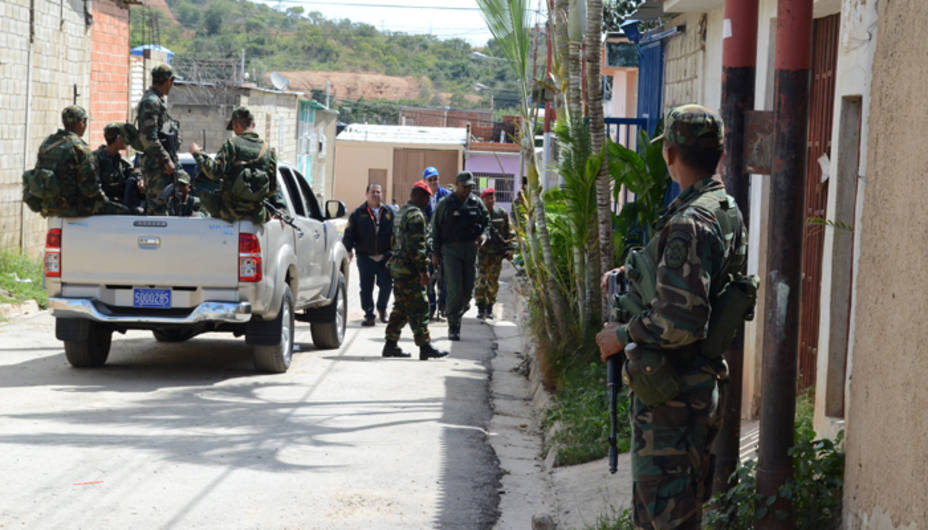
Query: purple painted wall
(482, 163)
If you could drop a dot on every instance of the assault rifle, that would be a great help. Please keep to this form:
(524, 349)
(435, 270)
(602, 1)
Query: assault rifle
(282, 215)
(618, 285)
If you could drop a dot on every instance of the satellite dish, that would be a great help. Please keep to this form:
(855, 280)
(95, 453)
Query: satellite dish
(278, 81)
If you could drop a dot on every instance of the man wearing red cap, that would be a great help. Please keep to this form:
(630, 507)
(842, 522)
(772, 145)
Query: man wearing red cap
(408, 266)
(490, 256)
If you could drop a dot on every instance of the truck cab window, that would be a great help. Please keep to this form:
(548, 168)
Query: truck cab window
(309, 197)
(293, 191)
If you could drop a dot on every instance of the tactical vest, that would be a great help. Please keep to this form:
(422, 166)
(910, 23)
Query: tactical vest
(462, 220)
(247, 183)
(47, 188)
(398, 264)
(732, 294)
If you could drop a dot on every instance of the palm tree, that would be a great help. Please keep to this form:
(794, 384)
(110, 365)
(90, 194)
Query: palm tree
(509, 23)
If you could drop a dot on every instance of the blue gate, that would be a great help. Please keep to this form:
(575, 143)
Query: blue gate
(651, 83)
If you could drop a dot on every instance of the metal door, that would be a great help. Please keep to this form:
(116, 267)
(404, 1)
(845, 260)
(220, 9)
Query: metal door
(651, 83)
(821, 111)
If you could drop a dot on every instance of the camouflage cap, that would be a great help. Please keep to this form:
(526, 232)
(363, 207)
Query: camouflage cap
(112, 131)
(73, 114)
(161, 73)
(182, 176)
(693, 126)
(465, 178)
(242, 115)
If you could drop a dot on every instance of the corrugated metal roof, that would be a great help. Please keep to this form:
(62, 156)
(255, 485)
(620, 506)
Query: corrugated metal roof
(404, 134)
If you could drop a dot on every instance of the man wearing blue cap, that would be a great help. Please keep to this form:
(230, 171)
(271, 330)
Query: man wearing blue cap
(430, 176)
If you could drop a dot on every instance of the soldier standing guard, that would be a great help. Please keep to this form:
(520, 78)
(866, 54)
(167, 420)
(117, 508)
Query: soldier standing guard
(458, 229)
(499, 245)
(408, 266)
(160, 138)
(700, 243)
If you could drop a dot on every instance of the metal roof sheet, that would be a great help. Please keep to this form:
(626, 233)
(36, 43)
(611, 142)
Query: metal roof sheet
(404, 134)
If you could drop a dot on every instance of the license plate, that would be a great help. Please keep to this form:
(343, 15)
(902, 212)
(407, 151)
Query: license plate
(156, 298)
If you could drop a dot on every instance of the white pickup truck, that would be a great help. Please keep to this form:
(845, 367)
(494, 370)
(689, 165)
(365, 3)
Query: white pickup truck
(181, 276)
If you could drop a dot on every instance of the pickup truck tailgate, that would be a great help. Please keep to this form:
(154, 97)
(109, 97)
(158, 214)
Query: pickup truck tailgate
(162, 251)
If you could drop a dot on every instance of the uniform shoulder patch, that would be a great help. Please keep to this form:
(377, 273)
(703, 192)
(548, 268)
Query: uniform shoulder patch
(676, 251)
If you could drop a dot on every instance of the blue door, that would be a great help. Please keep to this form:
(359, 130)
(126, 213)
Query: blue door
(651, 83)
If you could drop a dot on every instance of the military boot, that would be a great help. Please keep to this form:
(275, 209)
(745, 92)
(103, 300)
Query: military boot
(427, 351)
(488, 311)
(454, 330)
(481, 313)
(391, 349)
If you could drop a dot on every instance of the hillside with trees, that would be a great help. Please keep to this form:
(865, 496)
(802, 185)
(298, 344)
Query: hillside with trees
(294, 40)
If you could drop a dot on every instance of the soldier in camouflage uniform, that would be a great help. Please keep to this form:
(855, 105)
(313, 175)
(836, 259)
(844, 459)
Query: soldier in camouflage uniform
(499, 245)
(694, 250)
(69, 158)
(159, 135)
(408, 266)
(220, 195)
(181, 203)
(114, 171)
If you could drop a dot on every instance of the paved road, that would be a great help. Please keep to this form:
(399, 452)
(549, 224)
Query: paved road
(189, 436)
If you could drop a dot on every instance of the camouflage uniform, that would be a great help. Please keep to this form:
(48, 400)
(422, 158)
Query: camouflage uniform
(190, 206)
(490, 258)
(671, 440)
(159, 135)
(114, 171)
(70, 159)
(409, 260)
(217, 197)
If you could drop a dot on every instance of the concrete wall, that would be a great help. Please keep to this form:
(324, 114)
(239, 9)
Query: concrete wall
(109, 68)
(693, 61)
(276, 115)
(37, 81)
(324, 161)
(624, 102)
(886, 431)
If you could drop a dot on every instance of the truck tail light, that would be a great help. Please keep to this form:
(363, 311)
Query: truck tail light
(53, 253)
(249, 258)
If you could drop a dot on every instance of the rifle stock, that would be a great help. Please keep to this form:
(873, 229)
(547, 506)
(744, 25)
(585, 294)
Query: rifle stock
(618, 285)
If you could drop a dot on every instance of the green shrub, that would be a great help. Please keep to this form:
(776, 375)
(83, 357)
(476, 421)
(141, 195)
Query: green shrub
(815, 489)
(581, 405)
(21, 279)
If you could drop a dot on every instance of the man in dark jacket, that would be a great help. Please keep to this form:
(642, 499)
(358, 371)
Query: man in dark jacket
(369, 230)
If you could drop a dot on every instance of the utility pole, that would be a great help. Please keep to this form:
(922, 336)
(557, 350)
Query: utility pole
(243, 67)
(739, 65)
(784, 254)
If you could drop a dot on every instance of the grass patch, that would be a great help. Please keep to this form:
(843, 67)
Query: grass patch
(21, 279)
(614, 521)
(581, 405)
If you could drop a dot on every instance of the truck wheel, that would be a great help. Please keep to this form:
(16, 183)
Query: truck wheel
(173, 334)
(276, 358)
(328, 326)
(92, 351)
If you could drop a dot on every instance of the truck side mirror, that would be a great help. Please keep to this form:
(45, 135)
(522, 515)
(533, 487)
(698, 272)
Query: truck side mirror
(334, 209)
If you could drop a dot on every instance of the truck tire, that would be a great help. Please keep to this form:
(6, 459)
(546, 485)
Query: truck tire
(328, 324)
(91, 351)
(276, 358)
(173, 334)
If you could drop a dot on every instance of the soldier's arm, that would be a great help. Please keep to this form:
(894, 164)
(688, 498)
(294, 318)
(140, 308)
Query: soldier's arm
(484, 218)
(679, 315)
(88, 183)
(436, 226)
(417, 243)
(148, 131)
(214, 170)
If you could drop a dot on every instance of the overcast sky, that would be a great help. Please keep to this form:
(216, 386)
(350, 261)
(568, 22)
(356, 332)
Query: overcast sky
(443, 18)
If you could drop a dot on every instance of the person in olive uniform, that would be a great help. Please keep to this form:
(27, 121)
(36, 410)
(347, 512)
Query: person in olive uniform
(700, 242)
(112, 169)
(245, 150)
(408, 266)
(159, 135)
(459, 228)
(67, 156)
(499, 245)
(181, 203)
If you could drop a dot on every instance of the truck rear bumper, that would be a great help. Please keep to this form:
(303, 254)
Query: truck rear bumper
(231, 312)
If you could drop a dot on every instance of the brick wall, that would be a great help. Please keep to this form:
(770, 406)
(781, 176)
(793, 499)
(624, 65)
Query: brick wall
(276, 119)
(37, 80)
(480, 121)
(683, 58)
(109, 68)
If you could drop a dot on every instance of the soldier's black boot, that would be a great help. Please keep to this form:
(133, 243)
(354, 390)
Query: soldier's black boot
(481, 313)
(488, 311)
(427, 351)
(454, 331)
(390, 349)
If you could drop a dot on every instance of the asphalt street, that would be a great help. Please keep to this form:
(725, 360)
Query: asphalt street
(190, 436)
